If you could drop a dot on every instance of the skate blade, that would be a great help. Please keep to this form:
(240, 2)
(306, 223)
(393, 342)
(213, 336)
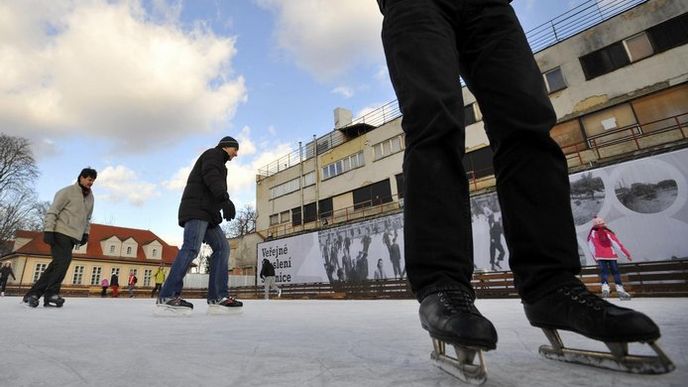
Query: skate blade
(216, 310)
(461, 366)
(169, 311)
(618, 359)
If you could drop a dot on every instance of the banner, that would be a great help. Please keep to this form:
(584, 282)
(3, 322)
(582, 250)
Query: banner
(643, 201)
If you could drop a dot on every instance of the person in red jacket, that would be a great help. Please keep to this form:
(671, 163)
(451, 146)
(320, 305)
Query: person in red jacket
(604, 245)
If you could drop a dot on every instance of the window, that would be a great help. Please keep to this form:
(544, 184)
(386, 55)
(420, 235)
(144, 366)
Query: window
(604, 61)
(284, 216)
(309, 213)
(40, 268)
(344, 165)
(309, 179)
(155, 253)
(274, 219)
(638, 47)
(285, 188)
(479, 163)
(387, 147)
(672, 33)
(115, 270)
(373, 194)
(469, 116)
(78, 276)
(112, 249)
(554, 79)
(95, 275)
(325, 208)
(128, 250)
(296, 216)
(147, 275)
(400, 185)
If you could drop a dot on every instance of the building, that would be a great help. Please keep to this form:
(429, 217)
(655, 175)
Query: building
(616, 73)
(110, 250)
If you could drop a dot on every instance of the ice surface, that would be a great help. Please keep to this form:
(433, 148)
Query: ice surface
(118, 342)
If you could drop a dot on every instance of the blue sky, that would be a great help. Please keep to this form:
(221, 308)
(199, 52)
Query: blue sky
(138, 89)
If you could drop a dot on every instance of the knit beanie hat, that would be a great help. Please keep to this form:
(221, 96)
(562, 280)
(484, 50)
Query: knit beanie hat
(228, 141)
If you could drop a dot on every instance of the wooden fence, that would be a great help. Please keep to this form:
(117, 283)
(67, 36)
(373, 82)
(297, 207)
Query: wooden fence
(644, 279)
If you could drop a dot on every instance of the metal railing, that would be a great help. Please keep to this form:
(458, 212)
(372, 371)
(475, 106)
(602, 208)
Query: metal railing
(586, 15)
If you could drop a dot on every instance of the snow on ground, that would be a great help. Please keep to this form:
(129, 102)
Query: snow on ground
(118, 342)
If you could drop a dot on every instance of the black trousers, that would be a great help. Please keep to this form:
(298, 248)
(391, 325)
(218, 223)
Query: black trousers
(428, 45)
(50, 281)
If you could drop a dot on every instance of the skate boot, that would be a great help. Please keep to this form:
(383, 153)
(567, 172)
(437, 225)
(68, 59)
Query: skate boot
(623, 295)
(174, 306)
(225, 305)
(605, 290)
(53, 301)
(574, 308)
(279, 292)
(451, 318)
(30, 300)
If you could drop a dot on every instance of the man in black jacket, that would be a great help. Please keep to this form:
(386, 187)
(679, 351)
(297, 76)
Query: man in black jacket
(204, 196)
(267, 273)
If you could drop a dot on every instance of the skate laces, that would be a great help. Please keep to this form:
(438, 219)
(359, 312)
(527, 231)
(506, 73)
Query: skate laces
(457, 301)
(582, 295)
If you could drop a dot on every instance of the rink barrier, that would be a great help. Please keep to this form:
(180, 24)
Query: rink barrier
(640, 279)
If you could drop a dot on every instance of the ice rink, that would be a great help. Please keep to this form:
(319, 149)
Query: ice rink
(118, 342)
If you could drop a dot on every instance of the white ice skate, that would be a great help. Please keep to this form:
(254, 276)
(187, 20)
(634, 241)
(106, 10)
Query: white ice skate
(175, 307)
(605, 290)
(623, 295)
(617, 359)
(462, 366)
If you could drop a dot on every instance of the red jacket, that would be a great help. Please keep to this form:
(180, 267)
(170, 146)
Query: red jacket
(603, 242)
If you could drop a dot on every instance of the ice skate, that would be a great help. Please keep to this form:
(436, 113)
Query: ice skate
(30, 300)
(605, 290)
(226, 305)
(451, 318)
(54, 301)
(623, 295)
(279, 293)
(172, 307)
(574, 308)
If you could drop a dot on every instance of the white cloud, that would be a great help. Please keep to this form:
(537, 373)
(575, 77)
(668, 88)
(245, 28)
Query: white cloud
(109, 70)
(120, 183)
(327, 38)
(344, 91)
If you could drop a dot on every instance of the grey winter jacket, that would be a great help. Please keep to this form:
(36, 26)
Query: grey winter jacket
(70, 213)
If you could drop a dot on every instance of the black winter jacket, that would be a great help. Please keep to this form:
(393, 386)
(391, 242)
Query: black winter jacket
(206, 189)
(268, 270)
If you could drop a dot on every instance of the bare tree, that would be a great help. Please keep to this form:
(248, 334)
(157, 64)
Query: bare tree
(19, 208)
(243, 224)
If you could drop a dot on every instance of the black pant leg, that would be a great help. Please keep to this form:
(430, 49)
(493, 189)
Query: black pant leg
(50, 281)
(531, 170)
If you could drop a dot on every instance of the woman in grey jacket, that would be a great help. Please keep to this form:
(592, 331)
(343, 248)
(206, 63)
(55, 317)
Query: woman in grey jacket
(67, 224)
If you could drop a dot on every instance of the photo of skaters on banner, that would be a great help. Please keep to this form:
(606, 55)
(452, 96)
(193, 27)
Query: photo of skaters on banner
(356, 252)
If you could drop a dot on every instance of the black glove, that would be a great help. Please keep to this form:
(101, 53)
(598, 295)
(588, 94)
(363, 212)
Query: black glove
(49, 237)
(84, 239)
(228, 210)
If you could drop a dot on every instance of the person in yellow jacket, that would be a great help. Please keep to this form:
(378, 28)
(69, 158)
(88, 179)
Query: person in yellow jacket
(159, 277)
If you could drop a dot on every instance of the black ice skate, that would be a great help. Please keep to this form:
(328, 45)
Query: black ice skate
(173, 307)
(54, 301)
(574, 308)
(225, 305)
(451, 318)
(30, 300)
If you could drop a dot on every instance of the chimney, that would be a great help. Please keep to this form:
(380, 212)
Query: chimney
(342, 117)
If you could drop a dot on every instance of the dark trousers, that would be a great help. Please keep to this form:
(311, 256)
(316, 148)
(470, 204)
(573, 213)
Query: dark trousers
(3, 283)
(428, 45)
(156, 288)
(607, 266)
(51, 279)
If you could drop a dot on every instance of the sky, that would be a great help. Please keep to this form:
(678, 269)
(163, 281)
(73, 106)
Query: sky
(280, 343)
(139, 89)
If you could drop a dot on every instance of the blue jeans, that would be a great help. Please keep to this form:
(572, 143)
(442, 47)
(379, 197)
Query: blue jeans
(607, 265)
(195, 233)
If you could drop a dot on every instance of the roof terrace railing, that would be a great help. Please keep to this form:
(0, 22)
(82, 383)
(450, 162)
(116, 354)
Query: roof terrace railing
(584, 16)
